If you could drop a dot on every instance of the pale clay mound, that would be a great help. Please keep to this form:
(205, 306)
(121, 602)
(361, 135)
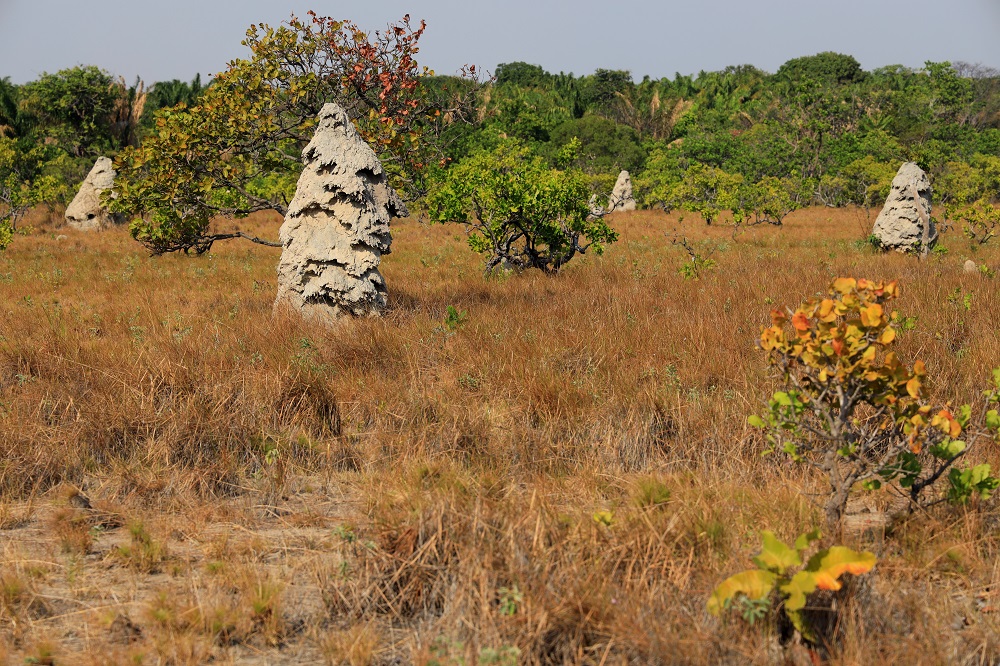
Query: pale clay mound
(337, 226)
(621, 196)
(85, 212)
(900, 225)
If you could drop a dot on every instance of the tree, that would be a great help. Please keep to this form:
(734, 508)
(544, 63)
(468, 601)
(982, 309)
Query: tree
(826, 67)
(705, 190)
(74, 108)
(522, 74)
(768, 201)
(164, 94)
(22, 183)
(12, 120)
(605, 146)
(603, 87)
(518, 212)
(217, 157)
(664, 169)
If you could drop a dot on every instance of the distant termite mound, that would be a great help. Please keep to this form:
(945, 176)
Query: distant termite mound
(85, 212)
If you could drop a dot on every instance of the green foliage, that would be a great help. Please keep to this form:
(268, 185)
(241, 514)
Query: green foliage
(521, 74)
(828, 131)
(510, 599)
(23, 183)
(604, 146)
(664, 170)
(850, 407)
(980, 220)
(75, 108)
(827, 67)
(752, 591)
(697, 263)
(166, 94)
(604, 86)
(518, 212)
(454, 318)
(704, 190)
(652, 493)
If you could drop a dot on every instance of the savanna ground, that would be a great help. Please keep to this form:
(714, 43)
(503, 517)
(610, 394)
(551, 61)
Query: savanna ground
(422, 488)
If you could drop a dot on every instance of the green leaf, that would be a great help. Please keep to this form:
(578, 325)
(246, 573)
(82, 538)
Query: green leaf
(799, 622)
(783, 399)
(776, 556)
(797, 589)
(947, 449)
(756, 421)
(993, 420)
(754, 584)
(804, 540)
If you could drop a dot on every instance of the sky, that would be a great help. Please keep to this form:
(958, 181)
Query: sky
(175, 39)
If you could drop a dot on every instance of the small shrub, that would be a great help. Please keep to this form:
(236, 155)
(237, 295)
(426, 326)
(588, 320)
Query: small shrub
(853, 409)
(697, 262)
(144, 554)
(455, 319)
(754, 592)
(980, 221)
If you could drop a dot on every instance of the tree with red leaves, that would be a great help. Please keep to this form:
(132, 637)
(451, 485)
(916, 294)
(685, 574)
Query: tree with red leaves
(238, 150)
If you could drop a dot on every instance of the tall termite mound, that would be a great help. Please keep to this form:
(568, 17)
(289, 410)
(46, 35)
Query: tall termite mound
(905, 221)
(337, 226)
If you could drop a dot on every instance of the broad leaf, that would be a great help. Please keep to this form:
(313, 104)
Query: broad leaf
(826, 566)
(776, 556)
(754, 584)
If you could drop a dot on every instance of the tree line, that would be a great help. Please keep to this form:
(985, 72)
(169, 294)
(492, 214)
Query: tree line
(741, 144)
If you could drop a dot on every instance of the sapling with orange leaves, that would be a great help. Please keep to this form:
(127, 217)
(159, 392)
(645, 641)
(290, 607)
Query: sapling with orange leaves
(753, 592)
(854, 410)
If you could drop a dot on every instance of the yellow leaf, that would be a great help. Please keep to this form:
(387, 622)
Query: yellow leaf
(844, 285)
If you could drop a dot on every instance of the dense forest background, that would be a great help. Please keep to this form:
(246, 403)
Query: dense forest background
(820, 130)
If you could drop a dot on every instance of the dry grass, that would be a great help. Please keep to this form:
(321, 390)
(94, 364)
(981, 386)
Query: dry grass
(402, 490)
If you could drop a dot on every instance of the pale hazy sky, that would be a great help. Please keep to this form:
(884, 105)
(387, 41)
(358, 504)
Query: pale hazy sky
(178, 38)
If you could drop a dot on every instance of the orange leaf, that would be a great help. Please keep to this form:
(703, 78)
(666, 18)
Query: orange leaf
(800, 321)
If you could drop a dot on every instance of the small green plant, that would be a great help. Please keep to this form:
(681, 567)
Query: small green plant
(510, 600)
(507, 655)
(871, 242)
(980, 221)
(455, 319)
(604, 517)
(651, 493)
(775, 582)
(697, 263)
(144, 554)
(853, 409)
